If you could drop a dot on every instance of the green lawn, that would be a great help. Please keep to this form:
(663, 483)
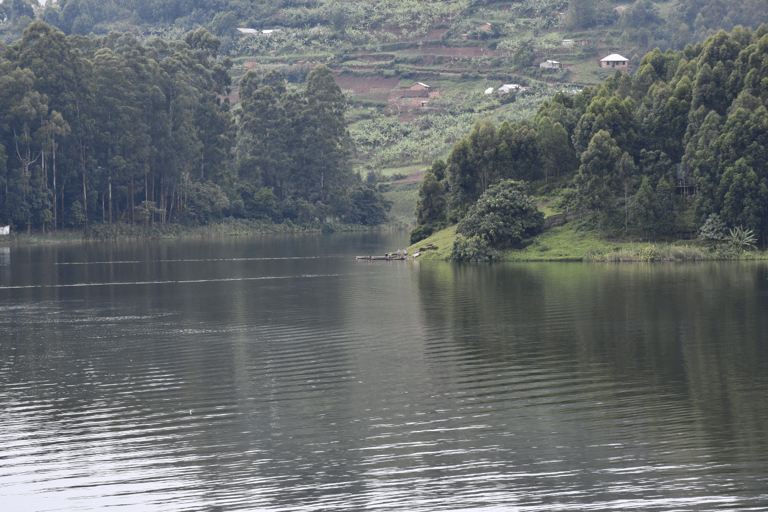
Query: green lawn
(569, 243)
(442, 240)
(562, 243)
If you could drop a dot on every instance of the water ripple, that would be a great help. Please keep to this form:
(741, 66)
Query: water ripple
(348, 387)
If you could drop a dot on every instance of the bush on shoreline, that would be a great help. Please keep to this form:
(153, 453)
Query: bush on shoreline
(650, 252)
(655, 252)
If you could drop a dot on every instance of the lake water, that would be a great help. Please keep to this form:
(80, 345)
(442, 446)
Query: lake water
(279, 373)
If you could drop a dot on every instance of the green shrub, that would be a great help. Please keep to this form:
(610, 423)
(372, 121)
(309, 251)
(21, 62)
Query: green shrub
(474, 248)
(503, 216)
(419, 233)
(713, 232)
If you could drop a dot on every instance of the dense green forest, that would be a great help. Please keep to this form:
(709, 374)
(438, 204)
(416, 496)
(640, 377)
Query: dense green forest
(108, 129)
(693, 122)
(132, 123)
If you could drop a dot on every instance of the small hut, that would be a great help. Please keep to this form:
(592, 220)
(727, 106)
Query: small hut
(247, 31)
(551, 64)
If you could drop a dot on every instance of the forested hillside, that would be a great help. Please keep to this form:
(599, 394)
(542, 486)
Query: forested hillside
(693, 122)
(145, 111)
(108, 129)
(687, 21)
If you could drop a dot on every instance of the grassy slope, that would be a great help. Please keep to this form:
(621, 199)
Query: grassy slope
(562, 243)
(568, 243)
(460, 69)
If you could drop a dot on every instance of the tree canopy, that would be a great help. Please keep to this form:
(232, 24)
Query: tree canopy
(503, 216)
(109, 129)
(699, 115)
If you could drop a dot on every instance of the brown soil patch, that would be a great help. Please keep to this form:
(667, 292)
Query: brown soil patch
(364, 85)
(233, 96)
(251, 64)
(411, 178)
(435, 33)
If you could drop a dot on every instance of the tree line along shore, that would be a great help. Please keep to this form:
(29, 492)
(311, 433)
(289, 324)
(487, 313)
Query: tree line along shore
(112, 130)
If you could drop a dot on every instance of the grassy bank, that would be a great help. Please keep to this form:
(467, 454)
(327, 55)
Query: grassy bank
(570, 243)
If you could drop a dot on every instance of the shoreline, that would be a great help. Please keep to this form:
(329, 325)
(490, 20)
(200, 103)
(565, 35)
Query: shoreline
(556, 245)
(566, 244)
(232, 227)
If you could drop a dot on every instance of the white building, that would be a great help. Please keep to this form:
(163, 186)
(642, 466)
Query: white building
(614, 60)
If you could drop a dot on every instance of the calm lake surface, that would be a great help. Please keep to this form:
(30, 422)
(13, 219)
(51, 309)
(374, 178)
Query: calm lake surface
(278, 373)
